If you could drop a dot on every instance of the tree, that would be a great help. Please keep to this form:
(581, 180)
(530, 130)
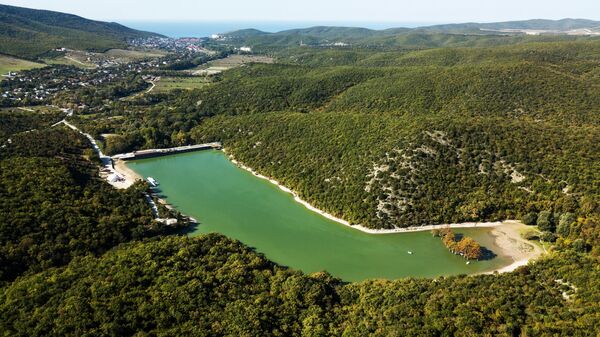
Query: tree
(548, 237)
(449, 240)
(545, 221)
(179, 138)
(530, 219)
(564, 224)
(469, 248)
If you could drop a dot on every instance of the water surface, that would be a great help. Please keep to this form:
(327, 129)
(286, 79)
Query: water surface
(232, 201)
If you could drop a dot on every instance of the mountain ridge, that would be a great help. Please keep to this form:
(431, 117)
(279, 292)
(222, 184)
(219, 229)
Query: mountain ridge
(542, 24)
(30, 33)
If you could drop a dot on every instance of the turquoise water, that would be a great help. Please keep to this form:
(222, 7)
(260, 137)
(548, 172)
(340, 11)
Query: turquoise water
(232, 201)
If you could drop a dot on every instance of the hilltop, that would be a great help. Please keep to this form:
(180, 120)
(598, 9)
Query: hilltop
(30, 33)
(563, 26)
(447, 35)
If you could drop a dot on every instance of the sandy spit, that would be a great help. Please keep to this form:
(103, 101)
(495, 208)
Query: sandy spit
(521, 251)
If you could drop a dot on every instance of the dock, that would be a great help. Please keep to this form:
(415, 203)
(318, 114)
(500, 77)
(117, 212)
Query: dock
(164, 152)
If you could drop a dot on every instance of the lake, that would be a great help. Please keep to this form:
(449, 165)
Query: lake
(226, 199)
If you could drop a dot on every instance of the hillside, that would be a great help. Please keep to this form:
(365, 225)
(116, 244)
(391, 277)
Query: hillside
(462, 126)
(332, 32)
(448, 35)
(30, 33)
(215, 286)
(556, 26)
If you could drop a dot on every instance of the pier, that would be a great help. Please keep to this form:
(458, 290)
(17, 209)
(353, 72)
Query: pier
(164, 152)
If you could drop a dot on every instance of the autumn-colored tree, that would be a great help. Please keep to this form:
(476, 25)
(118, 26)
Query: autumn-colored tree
(466, 247)
(469, 248)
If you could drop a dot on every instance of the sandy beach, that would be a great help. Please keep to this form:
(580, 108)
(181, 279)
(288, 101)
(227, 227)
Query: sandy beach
(508, 238)
(129, 175)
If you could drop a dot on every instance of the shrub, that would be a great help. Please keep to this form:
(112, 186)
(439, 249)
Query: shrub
(530, 219)
(548, 237)
(531, 235)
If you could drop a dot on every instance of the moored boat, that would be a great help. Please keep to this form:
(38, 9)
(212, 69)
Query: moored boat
(152, 181)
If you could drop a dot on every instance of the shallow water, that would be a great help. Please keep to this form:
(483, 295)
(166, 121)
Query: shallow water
(232, 201)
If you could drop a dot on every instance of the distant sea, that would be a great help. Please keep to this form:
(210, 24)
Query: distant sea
(207, 28)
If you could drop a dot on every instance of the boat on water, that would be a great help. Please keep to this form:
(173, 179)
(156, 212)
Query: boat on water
(410, 252)
(152, 181)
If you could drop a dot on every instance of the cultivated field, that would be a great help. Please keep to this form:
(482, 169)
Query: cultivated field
(70, 61)
(186, 83)
(38, 109)
(232, 61)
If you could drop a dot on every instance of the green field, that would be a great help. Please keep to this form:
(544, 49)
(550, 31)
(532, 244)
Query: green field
(186, 83)
(132, 55)
(8, 63)
(69, 61)
(83, 59)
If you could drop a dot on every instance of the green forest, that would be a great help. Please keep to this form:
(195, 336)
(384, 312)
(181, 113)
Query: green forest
(54, 207)
(213, 286)
(382, 137)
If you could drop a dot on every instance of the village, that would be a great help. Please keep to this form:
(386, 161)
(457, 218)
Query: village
(42, 85)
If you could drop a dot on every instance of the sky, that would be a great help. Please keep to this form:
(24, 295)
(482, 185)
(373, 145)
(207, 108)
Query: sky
(401, 11)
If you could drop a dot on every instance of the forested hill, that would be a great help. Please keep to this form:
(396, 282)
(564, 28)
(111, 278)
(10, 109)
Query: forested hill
(448, 35)
(331, 32)
(29, 33)
(563, 25)
(398, 138)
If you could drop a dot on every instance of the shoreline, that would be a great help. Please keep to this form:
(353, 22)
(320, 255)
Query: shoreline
(508, 239)
(363, 228)
(506, 233)
(126, 173)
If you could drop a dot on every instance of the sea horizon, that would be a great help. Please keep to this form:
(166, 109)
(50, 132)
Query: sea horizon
(177, 29)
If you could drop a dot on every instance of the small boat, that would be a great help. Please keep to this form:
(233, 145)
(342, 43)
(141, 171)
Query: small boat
(468, 262)
(152, 181)
(410, 253)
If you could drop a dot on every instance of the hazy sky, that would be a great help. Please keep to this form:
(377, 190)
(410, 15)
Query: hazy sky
(320, 10)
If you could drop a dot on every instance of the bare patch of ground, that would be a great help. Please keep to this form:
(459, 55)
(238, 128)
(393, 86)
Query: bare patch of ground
(230, 62)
